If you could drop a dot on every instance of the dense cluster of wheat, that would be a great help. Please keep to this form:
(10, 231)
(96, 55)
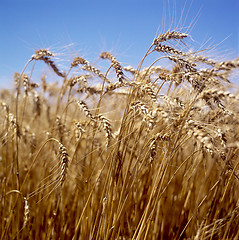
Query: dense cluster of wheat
(146, 153)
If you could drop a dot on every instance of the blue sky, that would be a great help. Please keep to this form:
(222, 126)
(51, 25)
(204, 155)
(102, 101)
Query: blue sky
(126, 28)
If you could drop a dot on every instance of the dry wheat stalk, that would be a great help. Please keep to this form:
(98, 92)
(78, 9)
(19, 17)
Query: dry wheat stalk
(26, 212)
(115, 64)
(26, 83)
(49, 62)
(149, 71)
(33, 86)
(114, 86)
(195, 80)
(13, 124)
(145, 112)
(173, 101)
(33, 143)
(43, 83)
(227, 65)
(169, 35)
(97, 72)
(208, 97)
(154, 144)
(202, 59)
(167, 49)
(17, 79)
(153, 148)
(77, 79)
(60, 127)
(201, 134)
(90, 90)
(40, 53)
(130, 69)
(87, 67)
(214, 77)
(44, 55)
(138, 105)
(165, 76)
(148, 90)
(215, 92)
(92, 69)
(213, 229)
(105, 122)
(78, 130)
(64, 163)
(77, 61)
(145, 90)
(184, 64)
(159, 122)
(85, 109)
(145, 75)
(37, 104)
(164, 114)
(25, 136)
(4, 106)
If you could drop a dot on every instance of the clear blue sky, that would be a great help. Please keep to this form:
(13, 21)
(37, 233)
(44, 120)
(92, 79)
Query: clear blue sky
(125, 27)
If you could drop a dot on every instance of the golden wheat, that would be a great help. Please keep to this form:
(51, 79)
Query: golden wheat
(153, 155)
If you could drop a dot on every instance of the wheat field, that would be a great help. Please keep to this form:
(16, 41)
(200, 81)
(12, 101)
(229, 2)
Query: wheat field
(145, 153)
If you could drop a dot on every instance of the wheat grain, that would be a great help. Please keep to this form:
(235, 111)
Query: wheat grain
(115, 64)
(184, 64)
(26, 212)
(114, 86)
(167, 49)
(37, 104)
(26, 83)
(4, 106)
(85, 109)
(97, 72)
(77, 79)
(169, 35)
(78, 130)
(197, 58)
(41, 53)
(105, 122)
(13, 124)
(227, 65)
(77, 61)
(49, 62)
(64, 163)
(44, 55)
(130, 69)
